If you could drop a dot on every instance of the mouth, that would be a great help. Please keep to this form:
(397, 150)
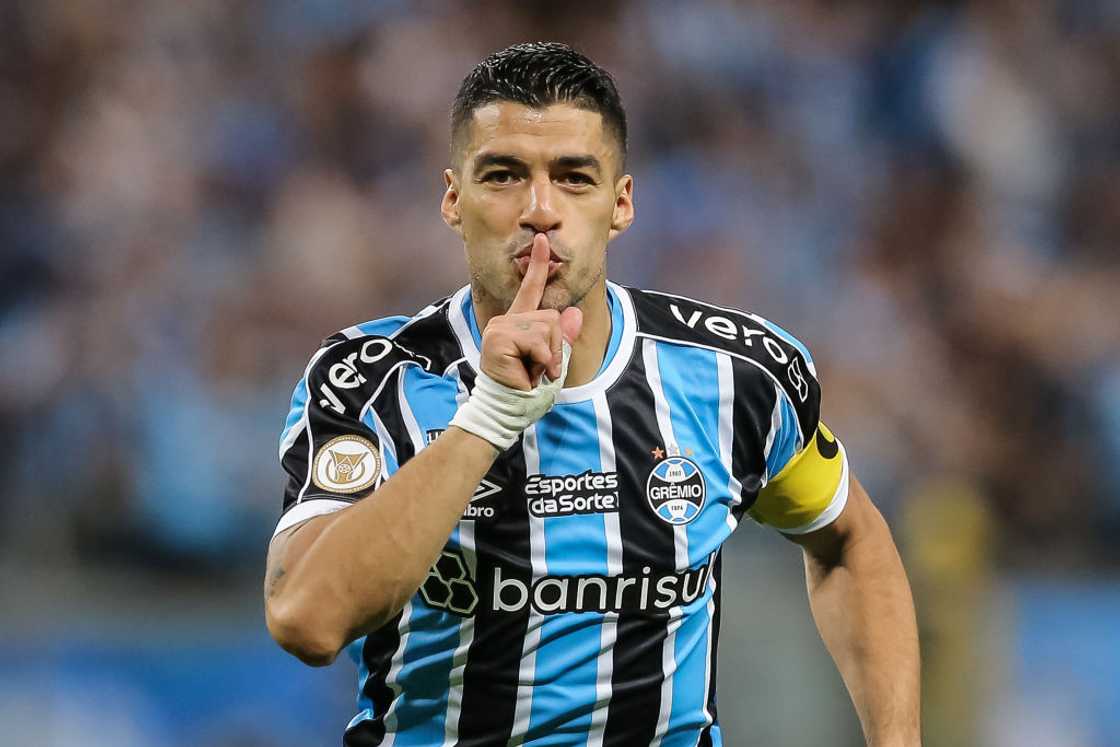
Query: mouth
(521, 261)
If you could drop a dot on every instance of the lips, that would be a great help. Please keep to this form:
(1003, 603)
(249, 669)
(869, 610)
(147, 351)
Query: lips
(522, 263)
(527, 250)
(522, 258)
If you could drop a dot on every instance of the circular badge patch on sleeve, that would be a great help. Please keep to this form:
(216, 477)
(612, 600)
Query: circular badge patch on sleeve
(346, 464)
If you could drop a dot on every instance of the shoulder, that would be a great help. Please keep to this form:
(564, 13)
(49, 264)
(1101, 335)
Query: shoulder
(352, 364)
(425, 337)
(739, 333)
(428, 329)
(762, 351)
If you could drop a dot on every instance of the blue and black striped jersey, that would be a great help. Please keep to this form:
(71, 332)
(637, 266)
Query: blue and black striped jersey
(578, 599)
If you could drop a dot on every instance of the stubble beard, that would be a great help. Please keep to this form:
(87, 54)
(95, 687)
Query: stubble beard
(497, 290)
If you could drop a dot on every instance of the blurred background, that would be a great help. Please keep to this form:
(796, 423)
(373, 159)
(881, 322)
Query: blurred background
(192, 195)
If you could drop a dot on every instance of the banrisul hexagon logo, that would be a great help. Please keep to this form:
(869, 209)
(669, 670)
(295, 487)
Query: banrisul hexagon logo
(449, 585)
(675, 490)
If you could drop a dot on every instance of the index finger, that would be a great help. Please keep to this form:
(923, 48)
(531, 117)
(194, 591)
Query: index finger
(536, 277)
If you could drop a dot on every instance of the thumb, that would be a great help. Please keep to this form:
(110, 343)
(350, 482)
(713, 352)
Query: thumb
(571, 321)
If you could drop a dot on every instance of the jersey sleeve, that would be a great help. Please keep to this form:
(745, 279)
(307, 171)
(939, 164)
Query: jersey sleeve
(805, 481)
(334, 446)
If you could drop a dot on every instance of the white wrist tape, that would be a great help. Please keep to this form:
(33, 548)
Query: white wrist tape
(499, 413)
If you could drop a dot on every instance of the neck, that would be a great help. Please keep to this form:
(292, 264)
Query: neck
(589, 349)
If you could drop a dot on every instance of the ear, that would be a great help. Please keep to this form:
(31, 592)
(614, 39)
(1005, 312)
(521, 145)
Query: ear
(449, 206)
(623, 206)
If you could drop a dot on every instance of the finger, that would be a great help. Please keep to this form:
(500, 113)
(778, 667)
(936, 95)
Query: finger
(536, 277)
(539, 352)
(571, 322)
(523, 380)
(535, 372)
(539, 358)
(556, 342)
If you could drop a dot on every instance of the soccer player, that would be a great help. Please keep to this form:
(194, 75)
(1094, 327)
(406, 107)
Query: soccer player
(510, 506)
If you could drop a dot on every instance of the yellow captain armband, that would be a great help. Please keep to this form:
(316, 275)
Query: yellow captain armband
(810, 491)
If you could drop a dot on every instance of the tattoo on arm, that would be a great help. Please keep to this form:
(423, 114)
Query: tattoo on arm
(278, 557)
(276, 570)
(273, 579)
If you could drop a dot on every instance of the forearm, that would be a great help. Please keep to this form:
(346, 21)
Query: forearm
(360, 569)
(865, 613)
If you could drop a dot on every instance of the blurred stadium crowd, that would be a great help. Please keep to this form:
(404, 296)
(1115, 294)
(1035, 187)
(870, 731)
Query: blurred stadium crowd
(195, 193)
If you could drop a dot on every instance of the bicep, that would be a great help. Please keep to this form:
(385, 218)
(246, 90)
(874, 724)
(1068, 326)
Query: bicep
(826, 545)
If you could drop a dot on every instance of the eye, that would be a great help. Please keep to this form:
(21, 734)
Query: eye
(499, 177)
(577, 178)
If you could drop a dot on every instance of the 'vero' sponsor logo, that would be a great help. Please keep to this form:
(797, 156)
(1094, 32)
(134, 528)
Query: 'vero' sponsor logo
(567, 495)
(729, 329)
(345, 375)
(647, 592)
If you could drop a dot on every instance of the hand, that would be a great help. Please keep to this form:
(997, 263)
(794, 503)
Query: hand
(518, 347)
(526, 342)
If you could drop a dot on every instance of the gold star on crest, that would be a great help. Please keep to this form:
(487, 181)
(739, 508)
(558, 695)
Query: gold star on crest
(657, 452)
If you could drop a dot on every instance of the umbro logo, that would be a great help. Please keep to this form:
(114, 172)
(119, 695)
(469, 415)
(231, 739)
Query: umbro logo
(485, 489)
(480, 507)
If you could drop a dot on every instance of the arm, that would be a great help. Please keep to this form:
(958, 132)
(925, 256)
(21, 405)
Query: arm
(864, 611)
(336, 577)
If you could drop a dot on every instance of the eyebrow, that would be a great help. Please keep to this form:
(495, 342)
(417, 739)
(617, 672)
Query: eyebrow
(487, 160)
(578, 162)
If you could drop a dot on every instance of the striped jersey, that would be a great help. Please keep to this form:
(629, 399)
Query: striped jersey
(577, 602)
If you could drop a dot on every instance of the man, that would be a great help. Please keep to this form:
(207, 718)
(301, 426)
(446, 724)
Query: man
(511, 505)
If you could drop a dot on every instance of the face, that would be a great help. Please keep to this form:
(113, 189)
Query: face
(523, 171)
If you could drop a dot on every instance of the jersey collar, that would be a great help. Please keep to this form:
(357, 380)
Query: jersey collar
(619, 349)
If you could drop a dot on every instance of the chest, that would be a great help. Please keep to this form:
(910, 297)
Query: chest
(603, 487)
(618, 501)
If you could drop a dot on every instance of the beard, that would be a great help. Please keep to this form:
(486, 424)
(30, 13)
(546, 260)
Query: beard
(496, 284)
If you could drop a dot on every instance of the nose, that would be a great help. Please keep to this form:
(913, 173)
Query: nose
(540, 213)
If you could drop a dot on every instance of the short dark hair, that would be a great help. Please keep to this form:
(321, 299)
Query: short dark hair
(538, 75)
